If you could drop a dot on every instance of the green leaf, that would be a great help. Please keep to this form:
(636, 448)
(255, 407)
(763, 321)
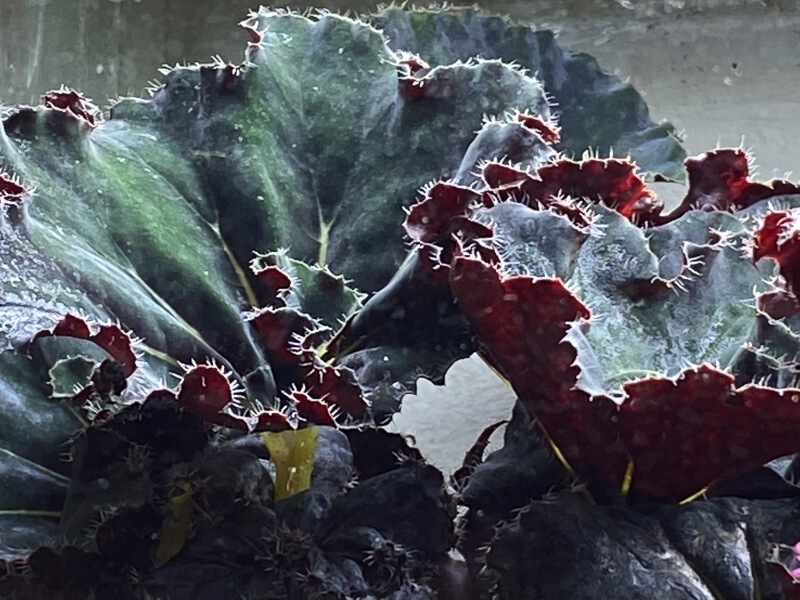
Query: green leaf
(597, 111)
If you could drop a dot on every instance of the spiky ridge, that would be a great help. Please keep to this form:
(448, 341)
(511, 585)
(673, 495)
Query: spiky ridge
(73, 103)
(11, 189)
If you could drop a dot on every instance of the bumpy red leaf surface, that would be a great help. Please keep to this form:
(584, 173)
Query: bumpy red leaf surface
(548, 130)
(685, 433)
(680, 434)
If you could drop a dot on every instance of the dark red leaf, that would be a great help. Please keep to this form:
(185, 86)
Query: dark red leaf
(509, 183)
(110, 338)
(720, 180)
(272, 420)
(118, 344)
(681, 434)
(611, 182)
(70, 325)
(311, 410)
(550, 132)
(280, 329)
(778, 304)
(276, 282)
(338, 389)
(10, 189)
(520, 323)
(499, 177)
(206, 393)
(430, 220)
(294, 366)
(71, 102)
(777, 237)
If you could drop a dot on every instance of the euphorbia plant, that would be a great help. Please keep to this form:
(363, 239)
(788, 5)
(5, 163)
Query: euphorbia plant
(567, 275)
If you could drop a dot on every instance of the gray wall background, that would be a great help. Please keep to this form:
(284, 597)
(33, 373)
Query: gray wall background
(108, 48)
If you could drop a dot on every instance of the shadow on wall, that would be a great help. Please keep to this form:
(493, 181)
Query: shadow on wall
(111, 48)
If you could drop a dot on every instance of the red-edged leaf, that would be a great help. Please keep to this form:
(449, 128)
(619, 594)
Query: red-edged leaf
(509, 183)
(337, 387)
(310, 409)
(279, 329)
(272, 420)
(109, 337)
(685, 433)
(429, 221)
(681, 434)
(778, 304)
(612, 182)
(720, 180)
(499, 176)
(71, 102)
(275, 280)
(118, 344)
(501, 311)
(550, 131)
(778, 237)
(520, 323)
(70, 325)
(294, 366)
(206, 392)
(10, 189)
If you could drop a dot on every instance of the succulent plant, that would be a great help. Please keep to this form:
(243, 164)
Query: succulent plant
(233, 223)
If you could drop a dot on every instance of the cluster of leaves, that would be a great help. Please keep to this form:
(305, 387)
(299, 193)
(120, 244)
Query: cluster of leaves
(159, 506)
(508, 252)
(636, 339)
